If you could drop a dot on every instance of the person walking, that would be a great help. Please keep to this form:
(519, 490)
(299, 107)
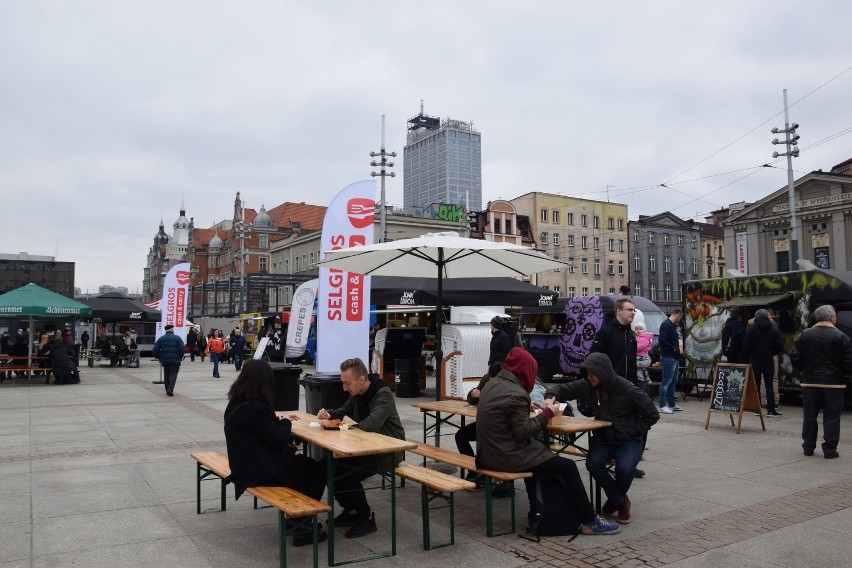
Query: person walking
(84, 340)
(671, 349)
(192, 342)
(169, 350)
(237, 348)
(215, 348)
(761, 344)
(631, 412)
(500, 342)
(202, 344)
(823, 354)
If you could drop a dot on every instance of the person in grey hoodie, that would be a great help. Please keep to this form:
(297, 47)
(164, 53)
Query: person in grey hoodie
(631, 412)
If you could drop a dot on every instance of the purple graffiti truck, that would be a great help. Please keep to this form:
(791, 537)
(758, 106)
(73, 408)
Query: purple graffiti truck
(560, 337)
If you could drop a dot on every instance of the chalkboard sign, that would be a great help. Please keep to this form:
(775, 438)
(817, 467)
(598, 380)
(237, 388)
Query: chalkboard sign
(734, 392)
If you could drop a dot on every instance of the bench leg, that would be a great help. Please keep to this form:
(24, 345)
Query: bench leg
(284, 532)
(427, 497)
(489, 509)
(203, 473)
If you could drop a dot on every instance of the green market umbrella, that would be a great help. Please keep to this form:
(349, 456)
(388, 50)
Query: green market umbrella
(34, 302)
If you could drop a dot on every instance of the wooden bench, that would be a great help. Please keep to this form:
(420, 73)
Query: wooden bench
(434, 485)
(23, 369)
(292, 505)
(213, 465)
(469, 463)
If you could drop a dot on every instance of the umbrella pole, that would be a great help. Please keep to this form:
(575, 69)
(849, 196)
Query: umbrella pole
(439, 353)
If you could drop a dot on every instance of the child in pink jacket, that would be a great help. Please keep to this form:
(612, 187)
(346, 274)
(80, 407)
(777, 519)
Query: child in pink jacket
(644, 340)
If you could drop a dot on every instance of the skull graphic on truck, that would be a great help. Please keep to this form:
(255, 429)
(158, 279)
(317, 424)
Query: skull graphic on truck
(583, 318)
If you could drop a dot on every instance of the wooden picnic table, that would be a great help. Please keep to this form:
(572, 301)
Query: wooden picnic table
(347, 444)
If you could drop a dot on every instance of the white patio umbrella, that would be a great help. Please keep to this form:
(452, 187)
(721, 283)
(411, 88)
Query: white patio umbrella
(445, 255)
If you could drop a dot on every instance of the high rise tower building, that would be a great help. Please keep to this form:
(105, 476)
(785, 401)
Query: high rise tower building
(442, 164)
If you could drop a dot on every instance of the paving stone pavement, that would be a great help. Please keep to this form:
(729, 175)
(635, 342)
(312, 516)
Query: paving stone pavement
(99, 474)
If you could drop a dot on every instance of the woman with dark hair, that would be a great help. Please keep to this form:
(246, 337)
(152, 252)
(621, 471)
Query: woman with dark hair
(260, 446)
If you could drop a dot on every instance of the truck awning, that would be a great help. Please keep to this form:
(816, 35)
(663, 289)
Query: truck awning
(743, 301)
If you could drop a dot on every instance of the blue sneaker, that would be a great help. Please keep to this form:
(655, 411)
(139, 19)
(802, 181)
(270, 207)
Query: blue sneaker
(599, 526)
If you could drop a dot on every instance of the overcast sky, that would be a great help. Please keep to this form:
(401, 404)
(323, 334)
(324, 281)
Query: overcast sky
(111, 112)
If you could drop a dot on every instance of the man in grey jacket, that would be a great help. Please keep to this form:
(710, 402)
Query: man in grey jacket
(505, 438)
(631, 412)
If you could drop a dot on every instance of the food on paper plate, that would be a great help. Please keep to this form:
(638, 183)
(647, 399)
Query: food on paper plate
(330, 424)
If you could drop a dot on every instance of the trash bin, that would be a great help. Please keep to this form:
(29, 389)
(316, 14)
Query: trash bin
(407, 377)
(286, 378)
(321, 391)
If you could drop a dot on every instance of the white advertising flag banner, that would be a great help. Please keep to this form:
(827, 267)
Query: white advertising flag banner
(343, 315)
(742, 252)
(300, 318)
(174, 301)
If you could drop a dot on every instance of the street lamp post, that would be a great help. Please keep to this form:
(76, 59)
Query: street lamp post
(791, 139)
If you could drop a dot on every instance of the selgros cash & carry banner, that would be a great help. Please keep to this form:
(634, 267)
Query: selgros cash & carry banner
(343, 318)
(300, 318)
(174, 302)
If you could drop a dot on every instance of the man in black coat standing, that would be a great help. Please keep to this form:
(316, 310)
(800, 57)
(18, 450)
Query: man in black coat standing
(192, 342)
(500, 342)
(761, 344)
(617, 341)
(169, 350)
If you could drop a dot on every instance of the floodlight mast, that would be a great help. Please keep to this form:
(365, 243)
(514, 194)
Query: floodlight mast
(383, 164)
(790, 140)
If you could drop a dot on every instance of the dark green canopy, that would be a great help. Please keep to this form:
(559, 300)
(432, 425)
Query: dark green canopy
(32, 301)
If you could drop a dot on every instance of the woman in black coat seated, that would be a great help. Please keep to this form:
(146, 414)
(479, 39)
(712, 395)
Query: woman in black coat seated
(260, 446)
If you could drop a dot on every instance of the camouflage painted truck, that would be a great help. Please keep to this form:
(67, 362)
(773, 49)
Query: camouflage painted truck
(707, 305)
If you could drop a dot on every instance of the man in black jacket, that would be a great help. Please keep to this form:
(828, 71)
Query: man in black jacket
(618, 342)
(500, 342)
(824, 355)
(761, 344)
(631, 412)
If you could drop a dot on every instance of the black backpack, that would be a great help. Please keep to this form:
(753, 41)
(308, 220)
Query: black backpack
(551, 515)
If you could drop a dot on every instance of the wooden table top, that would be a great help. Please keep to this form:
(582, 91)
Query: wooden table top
(343, 444)
(559, 425)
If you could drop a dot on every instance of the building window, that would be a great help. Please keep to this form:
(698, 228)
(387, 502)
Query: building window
(667, 264)
(653, 290)
(612, 290)
(666, 239)
(585, 290)
(304, 262)
(555, 239)
(597, 291)
(695, 266)
(620, 245)
(680, 266)
(611, 267)
(621, 268)
(612, 245)
(263, 241)
(637, 289)
(652, 263)
(572, 291)
(584, 266)
(555, 216)
(620, 224)
(557, 289)
(597, 242)
(570, 240)
(721, 256)
(571, 266)
(636, 263)
(544, 215)
(610, 223)
(544, 237)
(262, 264)
(597, 267)
(297, 263)
(496, 225)
(596, 222)
(694, 243)
(782, 260)
(668, 292)
(584, 242)
(509, 227)
(569, 218)
(584, 220)
(650, 238)
(286, 266)
(635, 235)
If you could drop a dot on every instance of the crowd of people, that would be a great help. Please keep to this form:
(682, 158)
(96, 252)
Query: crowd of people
(55, 354)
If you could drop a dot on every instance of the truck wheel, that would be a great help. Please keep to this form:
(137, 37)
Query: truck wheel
(545, 373)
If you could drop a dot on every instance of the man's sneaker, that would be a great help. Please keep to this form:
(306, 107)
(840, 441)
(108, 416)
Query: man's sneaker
(831, 455)
(609, 508)
(677, 408)
(304, 538)
(344, 519)
(808, 451)
(666, 410)
(773, 413)
(599, 526)
(501, 491)
(638, 473)
(624, 511)
(362, 527)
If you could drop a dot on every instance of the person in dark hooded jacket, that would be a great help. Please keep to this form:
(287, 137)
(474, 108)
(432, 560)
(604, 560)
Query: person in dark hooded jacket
(631, 412)
(505, 437)
(500, 342)
(761, 344)
(371, 404)
(617, 340)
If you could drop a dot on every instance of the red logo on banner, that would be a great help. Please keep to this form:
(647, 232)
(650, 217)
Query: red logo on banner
(355, 240)
(361, 212)
(182, 277)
